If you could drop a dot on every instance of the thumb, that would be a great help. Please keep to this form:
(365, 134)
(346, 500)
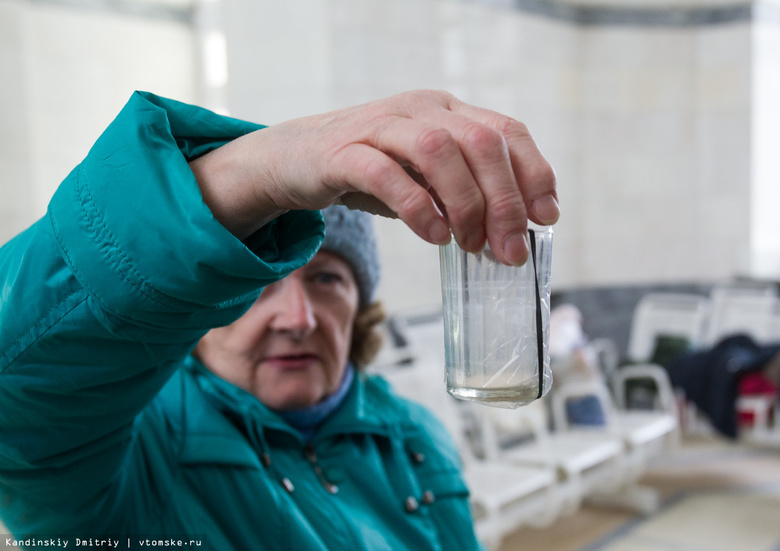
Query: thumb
(366, 203)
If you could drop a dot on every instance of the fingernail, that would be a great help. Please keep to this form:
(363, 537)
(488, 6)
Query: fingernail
(475, 239)
(439, 232)
(516, 248)
(546, 209)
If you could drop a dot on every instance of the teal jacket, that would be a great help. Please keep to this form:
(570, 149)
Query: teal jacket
(108, 426)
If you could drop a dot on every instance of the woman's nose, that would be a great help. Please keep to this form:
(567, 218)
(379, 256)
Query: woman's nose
(294, 312)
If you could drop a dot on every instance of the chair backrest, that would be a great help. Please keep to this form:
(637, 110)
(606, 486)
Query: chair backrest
(743, 288)
(667, 314)
(745, 309)
(773, 334)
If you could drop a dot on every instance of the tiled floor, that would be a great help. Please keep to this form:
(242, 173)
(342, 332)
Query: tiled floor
(716, 497)
(722, 520)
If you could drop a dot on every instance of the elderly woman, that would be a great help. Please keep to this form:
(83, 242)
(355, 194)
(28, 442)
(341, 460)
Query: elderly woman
(180, 348)
(297, 347)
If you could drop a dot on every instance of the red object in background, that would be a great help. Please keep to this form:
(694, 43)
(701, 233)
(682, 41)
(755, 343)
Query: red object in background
(754, 384)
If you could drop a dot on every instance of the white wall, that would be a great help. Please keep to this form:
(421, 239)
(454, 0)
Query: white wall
(665, 177)
(66, 72)
(765, 158)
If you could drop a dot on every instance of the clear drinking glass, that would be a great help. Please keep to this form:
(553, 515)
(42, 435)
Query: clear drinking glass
(496, 323)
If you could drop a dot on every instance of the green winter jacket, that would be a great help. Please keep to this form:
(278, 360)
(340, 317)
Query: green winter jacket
(109, 429)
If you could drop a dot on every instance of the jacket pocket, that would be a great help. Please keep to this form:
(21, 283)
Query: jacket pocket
(214, 449)
(443, 491)
(447, 498)
(449, 484)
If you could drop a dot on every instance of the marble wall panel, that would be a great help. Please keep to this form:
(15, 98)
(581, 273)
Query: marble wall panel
(17, 208)
(72, 70)
(765, 139)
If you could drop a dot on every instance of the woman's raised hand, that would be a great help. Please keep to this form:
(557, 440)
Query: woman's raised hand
(435, 162)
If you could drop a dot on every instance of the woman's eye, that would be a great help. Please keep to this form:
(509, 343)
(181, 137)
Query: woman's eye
(327, 278)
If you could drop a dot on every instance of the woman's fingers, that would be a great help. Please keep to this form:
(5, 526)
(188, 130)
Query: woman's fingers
(468, 167)
(534, 175)
(367, 170)
(438, 162)
(482, 170)
(487, 154)
(443, 166)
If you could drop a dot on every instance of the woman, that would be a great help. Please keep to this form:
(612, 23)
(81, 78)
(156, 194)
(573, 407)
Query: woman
(291, 349)
(264, 437)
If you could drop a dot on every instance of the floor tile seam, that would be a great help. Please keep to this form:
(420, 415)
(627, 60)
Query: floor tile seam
(626, 528)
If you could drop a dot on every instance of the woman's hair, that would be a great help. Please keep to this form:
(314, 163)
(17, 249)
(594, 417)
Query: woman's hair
(366, 338)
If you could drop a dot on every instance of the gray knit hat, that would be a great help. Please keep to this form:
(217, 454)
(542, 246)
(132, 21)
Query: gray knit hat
(350, 233)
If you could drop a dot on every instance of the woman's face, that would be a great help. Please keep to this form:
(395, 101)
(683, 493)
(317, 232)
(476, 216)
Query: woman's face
(291, 348)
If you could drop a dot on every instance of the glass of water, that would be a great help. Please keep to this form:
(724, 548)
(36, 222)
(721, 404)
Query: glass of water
(496, 323)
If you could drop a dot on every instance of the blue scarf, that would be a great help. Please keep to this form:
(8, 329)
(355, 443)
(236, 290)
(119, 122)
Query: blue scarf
(307, 420)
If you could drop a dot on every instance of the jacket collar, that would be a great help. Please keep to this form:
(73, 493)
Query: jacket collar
(357, 414)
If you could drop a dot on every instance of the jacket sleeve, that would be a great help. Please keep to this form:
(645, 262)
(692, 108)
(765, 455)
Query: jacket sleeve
(101, 299)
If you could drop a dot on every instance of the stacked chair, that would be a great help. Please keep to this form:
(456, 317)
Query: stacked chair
(643, 433)
(522, 468)
(732, 307)
(679, 315)
(586, 466)
(750, 309)
(531, 465)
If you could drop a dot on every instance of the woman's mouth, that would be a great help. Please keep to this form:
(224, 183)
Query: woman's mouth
(292, 361)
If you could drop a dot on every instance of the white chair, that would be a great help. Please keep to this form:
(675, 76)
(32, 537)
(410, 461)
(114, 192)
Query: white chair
(522, 437)
(666, 314)
(743, 287)
(648, 431)
(656, 315)
(644, 434)
(749, 308)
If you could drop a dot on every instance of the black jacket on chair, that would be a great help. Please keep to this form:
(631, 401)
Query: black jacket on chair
(710, 378)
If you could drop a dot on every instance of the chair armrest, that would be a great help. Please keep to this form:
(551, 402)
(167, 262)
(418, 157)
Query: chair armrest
(607, 355)
(656, 373)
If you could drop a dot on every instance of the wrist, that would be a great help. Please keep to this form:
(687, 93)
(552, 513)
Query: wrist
(233, 190)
